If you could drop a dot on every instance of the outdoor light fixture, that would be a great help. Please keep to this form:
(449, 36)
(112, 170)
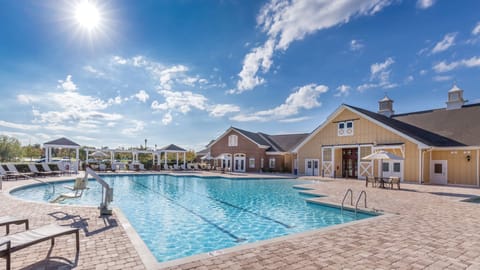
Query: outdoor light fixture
(468, 158)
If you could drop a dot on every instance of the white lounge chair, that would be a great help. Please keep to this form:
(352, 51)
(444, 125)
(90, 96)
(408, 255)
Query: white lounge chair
(8, 174)
(77, 190)
(34, 169)
(47, 169)
(12, 168)
(14, 242)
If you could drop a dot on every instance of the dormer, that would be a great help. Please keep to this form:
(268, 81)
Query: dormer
(455, 98)
(385, 106)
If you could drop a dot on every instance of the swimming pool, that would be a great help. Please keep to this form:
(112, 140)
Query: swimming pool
(179, 216)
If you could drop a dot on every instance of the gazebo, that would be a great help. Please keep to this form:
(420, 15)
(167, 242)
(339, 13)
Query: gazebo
(172, 148)
(59, 144)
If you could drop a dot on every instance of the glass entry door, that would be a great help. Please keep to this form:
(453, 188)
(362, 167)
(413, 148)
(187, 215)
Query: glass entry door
(349, 162)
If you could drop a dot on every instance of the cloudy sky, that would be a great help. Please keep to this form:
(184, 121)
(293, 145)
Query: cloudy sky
(114, 73)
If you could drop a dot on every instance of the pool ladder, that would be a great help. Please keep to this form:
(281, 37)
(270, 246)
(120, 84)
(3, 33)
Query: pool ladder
(349, 191)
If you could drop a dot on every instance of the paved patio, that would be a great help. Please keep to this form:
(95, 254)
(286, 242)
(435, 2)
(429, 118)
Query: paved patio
(425, 227)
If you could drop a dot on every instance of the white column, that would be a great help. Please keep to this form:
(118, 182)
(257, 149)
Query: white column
(177, 158)
(86, 156)
(49, 154)
(46, 153)
(420, 167)
(185, 160)
(165, 157)
(77, 161)
(478, 164)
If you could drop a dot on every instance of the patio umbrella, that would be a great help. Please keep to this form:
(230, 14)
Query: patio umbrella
(207, 157)
(99, 155)
(382, 155)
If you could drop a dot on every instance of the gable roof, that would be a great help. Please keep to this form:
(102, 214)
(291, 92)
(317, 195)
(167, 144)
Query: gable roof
(173, 148)
(457, 124)
(62, 141)
(273, 143)
(414, 132)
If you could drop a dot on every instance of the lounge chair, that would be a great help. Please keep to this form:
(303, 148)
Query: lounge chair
(9, 220)
(10, 174)
(21, 169)
(35, 170)
(21, 240)
(7, 174)
(47, 168)
(76, 191)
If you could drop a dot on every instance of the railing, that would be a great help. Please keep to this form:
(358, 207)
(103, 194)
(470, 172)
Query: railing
(349, 191)
(358, 200)
(41, 181)
(107, 192)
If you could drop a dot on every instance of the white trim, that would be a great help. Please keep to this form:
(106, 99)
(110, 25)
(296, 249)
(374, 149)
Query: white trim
(276, 153)
(340, 109)
(458, 148)
(60, 146)
(478, 172)
(420, 167)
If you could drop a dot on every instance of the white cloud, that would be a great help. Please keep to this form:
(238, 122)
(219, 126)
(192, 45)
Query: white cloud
(117, 100)
(423, 72)
(377, 68)
(220, 110)
(67, 84)
(94, 71)
(119, 60)
(409, 79)
(142, 96)
(442, 78)
(25, 99)
(424, 4)
(286, 21)
(180, 101)
(294, 120)
(305, 97)
(343, 90)
(445, 67)
(167, 118)
(379, 76)
(136, 127)
(476, 29)
(447, 42)
(17, 126)
(356, 45)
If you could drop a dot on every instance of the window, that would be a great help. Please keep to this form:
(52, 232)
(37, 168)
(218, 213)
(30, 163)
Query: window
(396, 167)
(271, 163)
(345, 128)
(438, 168)
(233, 140)
(385, 166)
(251, 163)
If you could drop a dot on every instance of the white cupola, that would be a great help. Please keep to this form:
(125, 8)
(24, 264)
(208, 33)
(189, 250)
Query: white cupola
(385, 106)
(455, 98)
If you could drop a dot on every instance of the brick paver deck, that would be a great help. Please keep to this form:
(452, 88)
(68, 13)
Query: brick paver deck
(427, 227)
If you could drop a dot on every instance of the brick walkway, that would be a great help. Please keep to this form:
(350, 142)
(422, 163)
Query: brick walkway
(428, 227)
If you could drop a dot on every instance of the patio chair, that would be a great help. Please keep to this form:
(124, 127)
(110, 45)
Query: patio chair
(9, 220)
(394, 180)
(47, 168)
(21, 169)
(7, 174)
(76, 191)
(35, 170)
(370, 179)
(21, 240)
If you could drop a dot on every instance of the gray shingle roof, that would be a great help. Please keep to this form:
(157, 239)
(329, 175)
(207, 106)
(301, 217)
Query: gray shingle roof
(461, 125)
(416, 132)
(62, 141)
(276, 143)
(172, 147)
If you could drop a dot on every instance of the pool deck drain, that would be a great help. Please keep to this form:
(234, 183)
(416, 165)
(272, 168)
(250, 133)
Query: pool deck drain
(429, 228)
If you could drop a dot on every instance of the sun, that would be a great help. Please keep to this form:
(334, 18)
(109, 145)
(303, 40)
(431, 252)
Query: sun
(87, 15)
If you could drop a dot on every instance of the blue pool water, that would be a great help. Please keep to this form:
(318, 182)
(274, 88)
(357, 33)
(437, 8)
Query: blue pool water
(182, 216)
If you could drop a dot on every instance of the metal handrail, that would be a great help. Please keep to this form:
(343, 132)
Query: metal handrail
(358, 200)
(41, 181)
(345, 196)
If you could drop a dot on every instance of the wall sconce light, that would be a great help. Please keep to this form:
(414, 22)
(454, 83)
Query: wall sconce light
(453, 152)
(468, 158)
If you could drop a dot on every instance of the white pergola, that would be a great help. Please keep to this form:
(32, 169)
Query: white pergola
(156, 153)
(59, 144)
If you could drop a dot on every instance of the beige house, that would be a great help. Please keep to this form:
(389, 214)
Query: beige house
(439, 146)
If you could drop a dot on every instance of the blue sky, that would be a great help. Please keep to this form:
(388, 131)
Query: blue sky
(185, 71)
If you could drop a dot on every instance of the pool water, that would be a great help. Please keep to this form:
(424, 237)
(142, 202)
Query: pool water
(181, 216)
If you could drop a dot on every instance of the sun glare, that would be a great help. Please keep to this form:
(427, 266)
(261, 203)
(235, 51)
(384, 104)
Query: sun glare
(87, 15)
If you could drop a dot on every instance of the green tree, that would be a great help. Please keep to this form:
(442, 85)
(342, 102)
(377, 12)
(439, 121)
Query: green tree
(10, 148)
(32, 151)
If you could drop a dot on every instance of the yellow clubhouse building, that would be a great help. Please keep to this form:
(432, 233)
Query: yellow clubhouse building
(439, 146)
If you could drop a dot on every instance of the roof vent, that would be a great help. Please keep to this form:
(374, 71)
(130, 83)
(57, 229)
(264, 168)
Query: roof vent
(455, 98)
(385, 106)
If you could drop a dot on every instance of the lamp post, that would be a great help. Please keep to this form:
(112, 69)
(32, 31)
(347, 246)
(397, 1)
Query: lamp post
(145, 144)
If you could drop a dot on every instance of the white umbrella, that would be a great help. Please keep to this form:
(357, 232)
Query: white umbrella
(99, 154)
(206, 157)
(382, 155)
